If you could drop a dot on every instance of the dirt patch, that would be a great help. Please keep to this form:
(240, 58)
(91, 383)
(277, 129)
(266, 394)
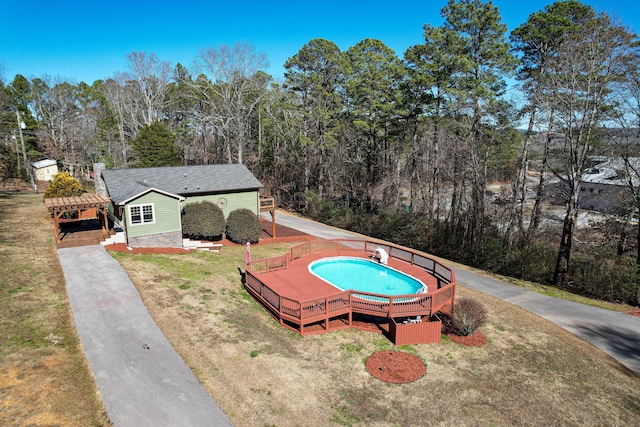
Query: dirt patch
(395, 367)
(22, 401)
(633, 313)
(476, 339)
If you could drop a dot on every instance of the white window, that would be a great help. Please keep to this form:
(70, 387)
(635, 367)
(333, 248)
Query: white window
(141, 214)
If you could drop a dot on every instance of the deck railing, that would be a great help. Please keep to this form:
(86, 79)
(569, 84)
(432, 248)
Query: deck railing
(440, 271)
(305, 312)
(269, 264)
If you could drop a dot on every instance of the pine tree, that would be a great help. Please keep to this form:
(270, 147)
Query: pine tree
(154, 147)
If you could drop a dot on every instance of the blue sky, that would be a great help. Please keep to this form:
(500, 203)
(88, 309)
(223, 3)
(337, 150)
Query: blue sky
(88, 40)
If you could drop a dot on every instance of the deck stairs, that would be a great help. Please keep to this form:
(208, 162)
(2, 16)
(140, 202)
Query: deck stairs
(118, 237)
(202, 246)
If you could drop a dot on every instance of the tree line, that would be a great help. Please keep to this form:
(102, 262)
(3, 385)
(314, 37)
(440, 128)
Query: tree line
(399, 147)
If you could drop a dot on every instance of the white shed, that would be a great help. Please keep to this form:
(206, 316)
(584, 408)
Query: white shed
(44, 170)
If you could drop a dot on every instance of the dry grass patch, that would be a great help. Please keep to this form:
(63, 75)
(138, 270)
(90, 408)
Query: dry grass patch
(44, 377)
(530, 372)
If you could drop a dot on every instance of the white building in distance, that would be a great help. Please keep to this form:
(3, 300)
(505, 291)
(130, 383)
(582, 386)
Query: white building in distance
(605, 186)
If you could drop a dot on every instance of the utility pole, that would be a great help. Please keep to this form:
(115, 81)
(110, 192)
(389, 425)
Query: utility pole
(24, 150)
(15, 139)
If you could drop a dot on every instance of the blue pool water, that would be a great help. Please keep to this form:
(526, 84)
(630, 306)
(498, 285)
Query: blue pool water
(366, 276)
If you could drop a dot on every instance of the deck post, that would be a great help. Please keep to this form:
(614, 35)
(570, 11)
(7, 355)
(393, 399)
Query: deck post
(273, 223)
(102, 213)
(453, 295)
(56, 228)
(326, 314)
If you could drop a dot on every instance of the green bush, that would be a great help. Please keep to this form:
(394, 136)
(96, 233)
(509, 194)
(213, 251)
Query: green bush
(466, 317)
(63, 185)
(243, 226)
(202, 220)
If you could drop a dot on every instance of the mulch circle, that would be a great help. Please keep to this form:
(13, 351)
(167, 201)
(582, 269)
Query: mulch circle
(395, 367)
(476, 339)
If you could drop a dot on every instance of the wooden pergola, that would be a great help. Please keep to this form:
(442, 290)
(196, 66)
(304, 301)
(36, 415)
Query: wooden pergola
(88, 206)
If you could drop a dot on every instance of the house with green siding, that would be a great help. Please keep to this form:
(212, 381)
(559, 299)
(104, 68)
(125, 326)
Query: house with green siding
(147, 202)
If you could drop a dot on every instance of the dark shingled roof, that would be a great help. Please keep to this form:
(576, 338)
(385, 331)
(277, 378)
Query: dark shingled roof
(124, 184)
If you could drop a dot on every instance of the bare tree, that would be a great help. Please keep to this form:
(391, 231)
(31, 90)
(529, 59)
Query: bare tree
(628, 148)
(580, 81)
(537, 40)
(56, 108)
(119, 102)
(234, 93)
(149, 79)
(137, 98)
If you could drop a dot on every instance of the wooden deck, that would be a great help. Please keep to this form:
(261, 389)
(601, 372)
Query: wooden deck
(306, 304)
(299, 284)
(81, 233)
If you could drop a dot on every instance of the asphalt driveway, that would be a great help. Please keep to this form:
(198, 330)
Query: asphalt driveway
(141, 379)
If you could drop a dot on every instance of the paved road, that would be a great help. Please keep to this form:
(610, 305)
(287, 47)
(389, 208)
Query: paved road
(617, 334)
(141, 378)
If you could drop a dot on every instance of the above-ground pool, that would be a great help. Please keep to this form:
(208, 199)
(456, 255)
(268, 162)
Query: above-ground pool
(363, 275)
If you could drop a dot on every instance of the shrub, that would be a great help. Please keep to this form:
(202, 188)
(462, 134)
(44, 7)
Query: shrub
(202, 220)
(243, 226)
(63, 185)
(466, 317)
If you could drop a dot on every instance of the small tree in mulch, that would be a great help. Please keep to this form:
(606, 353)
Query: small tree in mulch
(202, 220)
(243, 226)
